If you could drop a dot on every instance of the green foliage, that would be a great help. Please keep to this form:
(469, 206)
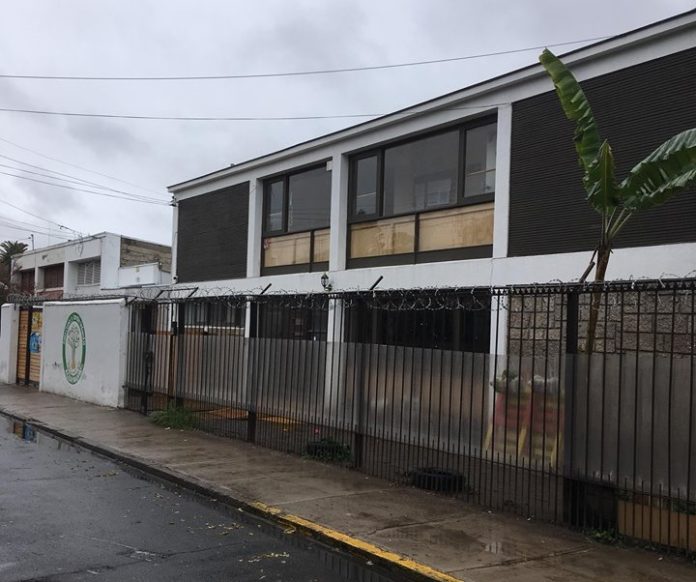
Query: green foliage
(576, 107)
(670, 169)
(174, 417)
(10, 249)
(328, 449)
(605, 536)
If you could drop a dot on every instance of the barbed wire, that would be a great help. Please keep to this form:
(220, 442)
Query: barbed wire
(616, 295)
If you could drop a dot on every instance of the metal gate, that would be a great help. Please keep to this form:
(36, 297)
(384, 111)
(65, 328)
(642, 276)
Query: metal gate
(29, 345)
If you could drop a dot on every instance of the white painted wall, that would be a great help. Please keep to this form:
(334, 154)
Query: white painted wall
(9, 336)
(147, 274)
(106, 332)
(654, 262)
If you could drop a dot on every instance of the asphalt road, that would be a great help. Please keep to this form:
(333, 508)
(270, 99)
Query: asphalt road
(68, 515)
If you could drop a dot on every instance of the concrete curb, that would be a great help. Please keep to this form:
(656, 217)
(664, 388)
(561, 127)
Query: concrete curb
(391, 562)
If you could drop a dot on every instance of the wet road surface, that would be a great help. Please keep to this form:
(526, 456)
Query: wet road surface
(67, 515)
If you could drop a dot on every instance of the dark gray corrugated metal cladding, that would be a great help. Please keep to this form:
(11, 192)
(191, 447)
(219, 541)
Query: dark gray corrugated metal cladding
(212, 237)
(637, 109)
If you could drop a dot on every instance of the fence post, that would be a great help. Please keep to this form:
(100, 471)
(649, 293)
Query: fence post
(251, 372)
(570, 484)
(177, 346)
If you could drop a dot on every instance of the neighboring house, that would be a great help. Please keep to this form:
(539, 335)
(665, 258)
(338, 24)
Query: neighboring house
(100, 264)
(478, 187)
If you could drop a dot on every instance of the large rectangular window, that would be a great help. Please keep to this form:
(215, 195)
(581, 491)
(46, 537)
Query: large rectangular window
(296, 218)
(301, 322)
(426, 199)
(466, 328)
(89, 273)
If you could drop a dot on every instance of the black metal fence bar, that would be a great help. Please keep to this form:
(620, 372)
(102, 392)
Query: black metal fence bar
(491, 395)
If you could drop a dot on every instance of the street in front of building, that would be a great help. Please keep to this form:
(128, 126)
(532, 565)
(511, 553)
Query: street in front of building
(67, 515)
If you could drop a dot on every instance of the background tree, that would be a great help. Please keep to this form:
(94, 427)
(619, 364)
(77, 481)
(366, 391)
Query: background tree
(671, 168)
(8, 250)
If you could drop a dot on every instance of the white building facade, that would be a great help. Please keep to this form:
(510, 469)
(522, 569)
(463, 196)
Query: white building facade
(439, 194)
(101, 264)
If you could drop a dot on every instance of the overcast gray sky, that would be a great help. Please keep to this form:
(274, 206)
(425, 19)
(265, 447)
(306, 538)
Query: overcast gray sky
(199, 37)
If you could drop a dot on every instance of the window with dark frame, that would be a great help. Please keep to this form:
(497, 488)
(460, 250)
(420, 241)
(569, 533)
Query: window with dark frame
(53, 276)
(425, 199)
(464, 329)
(296, 218)
(298, 323)
(26, 281)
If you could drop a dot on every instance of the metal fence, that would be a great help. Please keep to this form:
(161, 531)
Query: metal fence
(492, 395)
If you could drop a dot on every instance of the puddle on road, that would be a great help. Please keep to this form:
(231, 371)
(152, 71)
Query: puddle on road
(344, 566)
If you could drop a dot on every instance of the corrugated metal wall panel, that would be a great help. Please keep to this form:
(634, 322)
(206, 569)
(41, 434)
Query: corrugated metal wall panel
(637, 109)
(212, 237)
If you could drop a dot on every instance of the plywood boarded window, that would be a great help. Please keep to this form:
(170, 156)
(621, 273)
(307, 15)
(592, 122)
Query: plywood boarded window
(383, 237)
(469, 226)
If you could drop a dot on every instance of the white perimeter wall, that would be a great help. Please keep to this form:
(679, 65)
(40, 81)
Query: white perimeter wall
(106, 334)
(9, 335)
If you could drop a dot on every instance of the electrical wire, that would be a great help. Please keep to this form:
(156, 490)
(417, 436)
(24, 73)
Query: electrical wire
(58, 160)
(300, 73)
(61, 226)
(158, 203)
(237, 118)
(79, 180)
(32, 229)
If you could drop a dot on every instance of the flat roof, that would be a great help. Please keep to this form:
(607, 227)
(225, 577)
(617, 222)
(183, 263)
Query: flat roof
(516, 75)
(83, 239)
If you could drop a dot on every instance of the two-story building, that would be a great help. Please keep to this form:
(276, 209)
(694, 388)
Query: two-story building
(100, 264)
(479, 187)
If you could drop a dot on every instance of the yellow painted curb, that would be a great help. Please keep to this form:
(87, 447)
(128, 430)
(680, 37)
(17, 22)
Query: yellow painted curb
(363, 546)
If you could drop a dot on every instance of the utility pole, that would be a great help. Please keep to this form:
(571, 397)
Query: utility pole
(31, 236)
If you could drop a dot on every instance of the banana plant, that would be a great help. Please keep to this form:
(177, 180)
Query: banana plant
(670, 169)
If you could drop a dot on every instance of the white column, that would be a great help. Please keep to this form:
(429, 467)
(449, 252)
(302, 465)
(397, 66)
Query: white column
(501, 212)
(339, 212)
(501, 217)
(9, 338)
(175, 238)
(255, 228)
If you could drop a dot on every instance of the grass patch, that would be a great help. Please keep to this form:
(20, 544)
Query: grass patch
(328, 450)
(605, 536)
(174, 417)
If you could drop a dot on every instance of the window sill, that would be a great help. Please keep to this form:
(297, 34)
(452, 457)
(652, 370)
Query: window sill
(461, 254)
(289, 269)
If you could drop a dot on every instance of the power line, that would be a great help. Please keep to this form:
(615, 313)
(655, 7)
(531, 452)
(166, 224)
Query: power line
(42, 155)
(159, 203)
(299, 73)
(234, 118)
(196, 118)
(80, 182)
(73, 178)
(5, 223)
(62, 226)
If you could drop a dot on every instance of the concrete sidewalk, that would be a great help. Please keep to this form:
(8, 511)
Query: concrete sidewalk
(423, 531)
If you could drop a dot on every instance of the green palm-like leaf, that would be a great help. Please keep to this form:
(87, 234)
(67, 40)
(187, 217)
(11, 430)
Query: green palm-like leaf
(603, 193)
(668, 170)
(576, 108)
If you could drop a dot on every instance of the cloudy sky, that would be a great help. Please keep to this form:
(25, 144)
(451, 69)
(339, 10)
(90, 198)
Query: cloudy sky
(205, 37)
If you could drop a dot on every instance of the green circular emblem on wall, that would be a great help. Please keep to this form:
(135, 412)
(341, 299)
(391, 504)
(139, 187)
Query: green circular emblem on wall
(74, 348)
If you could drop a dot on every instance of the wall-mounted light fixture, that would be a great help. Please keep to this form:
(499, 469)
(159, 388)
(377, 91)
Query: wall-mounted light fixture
(325, 283)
